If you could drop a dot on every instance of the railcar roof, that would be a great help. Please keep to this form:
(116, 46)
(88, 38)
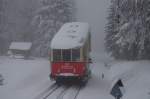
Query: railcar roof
(71, 35)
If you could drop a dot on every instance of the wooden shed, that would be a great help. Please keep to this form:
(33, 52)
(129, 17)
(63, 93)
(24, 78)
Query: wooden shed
(21, 49)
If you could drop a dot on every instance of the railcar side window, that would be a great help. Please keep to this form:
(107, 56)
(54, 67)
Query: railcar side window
(75, 54)
(66, 55)
(56, 55)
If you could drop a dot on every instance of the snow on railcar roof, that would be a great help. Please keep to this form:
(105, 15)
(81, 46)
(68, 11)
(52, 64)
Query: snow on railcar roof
(20, 45)
(71, 35)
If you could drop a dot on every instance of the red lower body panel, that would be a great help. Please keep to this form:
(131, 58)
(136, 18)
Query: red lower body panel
(68, 69)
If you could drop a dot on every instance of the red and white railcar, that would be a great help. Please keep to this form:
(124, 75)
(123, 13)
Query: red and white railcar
(70, 52)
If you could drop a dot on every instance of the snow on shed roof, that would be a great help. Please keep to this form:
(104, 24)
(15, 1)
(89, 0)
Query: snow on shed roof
(71, 35)
(20, 45)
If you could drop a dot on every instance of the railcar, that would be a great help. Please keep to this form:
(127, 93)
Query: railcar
(70, 53)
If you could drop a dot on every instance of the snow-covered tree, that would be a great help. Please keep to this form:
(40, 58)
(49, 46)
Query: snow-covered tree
(15, 21)
(3, 38)
(132, 34)
(112, 28)
(48, 19)
(146, 42)
(19, 14)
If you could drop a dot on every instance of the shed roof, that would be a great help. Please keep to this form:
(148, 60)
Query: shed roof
(20, 46)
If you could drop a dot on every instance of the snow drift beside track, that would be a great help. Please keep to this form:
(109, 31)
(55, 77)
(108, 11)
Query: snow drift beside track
(135, 76)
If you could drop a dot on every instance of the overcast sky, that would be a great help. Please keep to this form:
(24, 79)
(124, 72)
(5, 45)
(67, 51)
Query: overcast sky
(94, 12)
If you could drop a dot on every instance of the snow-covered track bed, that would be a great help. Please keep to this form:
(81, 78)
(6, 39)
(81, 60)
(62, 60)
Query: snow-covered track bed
(60, 92)
(76, 92)
(71, 92)
(63, 92)
(48, 91)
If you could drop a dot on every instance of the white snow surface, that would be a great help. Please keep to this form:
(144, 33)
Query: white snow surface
(26, 79)
(20, 45)
(23, 79)
(135, 77)
(71, 35)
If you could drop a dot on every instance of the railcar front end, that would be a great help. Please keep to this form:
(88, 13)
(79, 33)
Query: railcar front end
(69, 53)
(68, 70)
(67, 65)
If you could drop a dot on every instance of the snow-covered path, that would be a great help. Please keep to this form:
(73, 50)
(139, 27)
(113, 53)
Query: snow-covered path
(135, 77)
(25, 79)
(97, 87)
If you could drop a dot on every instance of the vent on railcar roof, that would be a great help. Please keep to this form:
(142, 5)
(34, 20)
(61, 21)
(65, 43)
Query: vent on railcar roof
(71, 31)
(72, 36)
(74, 25)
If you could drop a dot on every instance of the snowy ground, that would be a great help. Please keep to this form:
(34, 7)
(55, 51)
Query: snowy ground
(26, 79)
(135, 77)
(23, 78)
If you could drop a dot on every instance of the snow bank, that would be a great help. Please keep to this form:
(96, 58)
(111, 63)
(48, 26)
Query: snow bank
(71, 35)
(24, 79)
(97, 87)
(27, 79)
(138, 86)
(135, 77)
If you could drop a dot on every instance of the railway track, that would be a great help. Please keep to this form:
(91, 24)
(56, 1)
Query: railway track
(77, 92)
(63, 92)
(74, 95)
(48, 93)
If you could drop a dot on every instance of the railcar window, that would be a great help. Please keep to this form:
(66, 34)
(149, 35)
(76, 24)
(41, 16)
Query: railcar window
(66, 55)
(75, 54)
(56, 55)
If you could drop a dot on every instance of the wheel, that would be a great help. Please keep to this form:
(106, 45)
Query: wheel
(83, 82)
(58, 82)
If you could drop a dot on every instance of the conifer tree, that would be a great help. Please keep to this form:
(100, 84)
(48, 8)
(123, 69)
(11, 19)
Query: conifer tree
(3, 38)
(131, 40)
(50, 17)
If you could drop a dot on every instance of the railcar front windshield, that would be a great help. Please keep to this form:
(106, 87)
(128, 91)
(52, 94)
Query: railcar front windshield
(66, 55)
(56, 55)
(75, 54)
